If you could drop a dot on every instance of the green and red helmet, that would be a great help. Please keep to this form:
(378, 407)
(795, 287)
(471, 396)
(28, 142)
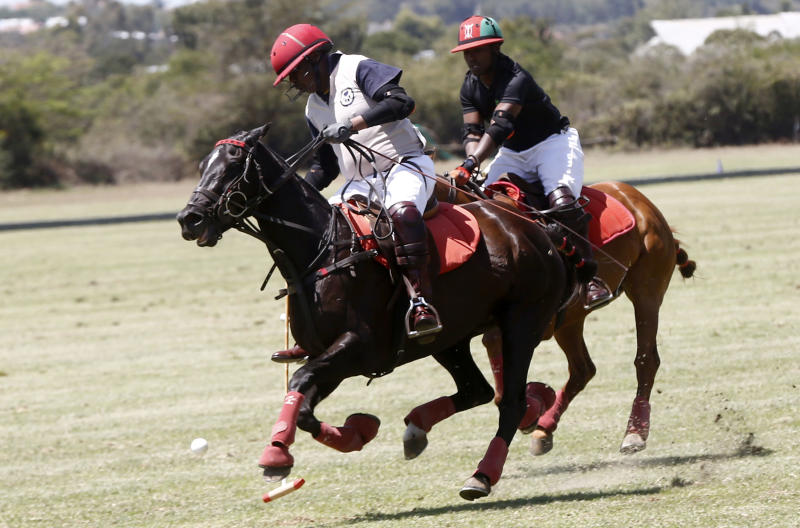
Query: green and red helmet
(477, 31)
(293, 45)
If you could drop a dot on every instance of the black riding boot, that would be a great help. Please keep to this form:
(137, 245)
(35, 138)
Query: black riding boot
(413, 257)
(577, 248)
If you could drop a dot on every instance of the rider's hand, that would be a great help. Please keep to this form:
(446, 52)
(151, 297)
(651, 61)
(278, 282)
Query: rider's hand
(463, 172)
(337, 132)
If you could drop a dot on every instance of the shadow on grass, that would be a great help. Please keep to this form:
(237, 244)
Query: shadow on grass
(746, 449)
(489, 505)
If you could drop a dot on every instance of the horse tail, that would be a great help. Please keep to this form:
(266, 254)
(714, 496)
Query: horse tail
(685, 265)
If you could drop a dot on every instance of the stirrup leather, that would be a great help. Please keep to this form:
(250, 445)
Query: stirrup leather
(414, 303)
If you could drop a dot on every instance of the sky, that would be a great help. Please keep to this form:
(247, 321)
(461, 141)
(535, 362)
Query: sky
(167, 3)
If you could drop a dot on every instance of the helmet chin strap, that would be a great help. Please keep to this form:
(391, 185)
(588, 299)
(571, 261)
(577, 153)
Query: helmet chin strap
(293, 92)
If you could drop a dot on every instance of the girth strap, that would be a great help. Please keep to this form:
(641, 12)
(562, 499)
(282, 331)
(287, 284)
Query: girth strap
(345, 262)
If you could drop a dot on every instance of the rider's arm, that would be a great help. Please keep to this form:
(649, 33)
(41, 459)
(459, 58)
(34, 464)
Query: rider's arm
(324, 168)
(394, 104)
(472, 132)
(500, 128)
(324, 165)
(379, 82)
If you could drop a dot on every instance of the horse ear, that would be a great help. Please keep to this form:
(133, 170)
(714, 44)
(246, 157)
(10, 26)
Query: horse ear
(257, 133)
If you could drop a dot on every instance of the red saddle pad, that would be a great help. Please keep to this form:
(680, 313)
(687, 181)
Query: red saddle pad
(610, 218)
(454, 230)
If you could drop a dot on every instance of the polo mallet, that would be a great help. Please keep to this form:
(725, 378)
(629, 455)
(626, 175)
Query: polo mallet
(286, 486)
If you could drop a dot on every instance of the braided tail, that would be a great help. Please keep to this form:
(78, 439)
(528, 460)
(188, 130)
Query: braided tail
(685, 265)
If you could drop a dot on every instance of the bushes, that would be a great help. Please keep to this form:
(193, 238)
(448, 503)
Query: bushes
(737, 89)
(78, 114)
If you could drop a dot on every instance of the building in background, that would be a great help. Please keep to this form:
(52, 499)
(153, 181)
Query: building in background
(689, 34)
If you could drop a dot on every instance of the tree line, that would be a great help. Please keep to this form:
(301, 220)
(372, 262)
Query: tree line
(127, 92)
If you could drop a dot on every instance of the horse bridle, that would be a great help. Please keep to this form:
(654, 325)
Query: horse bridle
(232, 201)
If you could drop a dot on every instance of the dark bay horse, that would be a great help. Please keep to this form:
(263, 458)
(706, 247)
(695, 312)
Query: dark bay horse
(342, 303)
(648, 254)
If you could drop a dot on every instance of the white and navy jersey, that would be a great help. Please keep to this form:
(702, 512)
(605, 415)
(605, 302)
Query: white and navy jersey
(354, 80)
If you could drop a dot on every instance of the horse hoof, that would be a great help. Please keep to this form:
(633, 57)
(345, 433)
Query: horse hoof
(541, 442)
(476, 487)
(632, 443)
(276, 461)
(415, 440)
(274, 474)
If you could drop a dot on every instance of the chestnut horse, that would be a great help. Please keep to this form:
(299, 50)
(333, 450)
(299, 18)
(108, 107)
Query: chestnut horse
(345, 309)
(640, 263)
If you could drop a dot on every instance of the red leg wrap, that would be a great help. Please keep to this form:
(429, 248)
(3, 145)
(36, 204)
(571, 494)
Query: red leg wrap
(496, 362)
(284, 429)
(539, 397)
(357, 430)
(639, 422)
(549, 420)
(494, 460)
(429, 414)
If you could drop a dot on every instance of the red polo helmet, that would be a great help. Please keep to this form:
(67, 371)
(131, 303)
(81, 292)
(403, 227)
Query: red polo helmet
(293, 45)
(477, 31)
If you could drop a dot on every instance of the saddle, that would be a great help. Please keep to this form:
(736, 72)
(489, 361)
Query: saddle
(610, 219)
(454, 230)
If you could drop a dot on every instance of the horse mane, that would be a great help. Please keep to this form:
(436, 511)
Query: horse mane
(308, 190)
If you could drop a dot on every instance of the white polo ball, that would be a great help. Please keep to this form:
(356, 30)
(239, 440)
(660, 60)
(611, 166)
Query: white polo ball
(199, 446)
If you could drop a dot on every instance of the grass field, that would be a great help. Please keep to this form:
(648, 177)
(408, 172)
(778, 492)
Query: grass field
(120, 344)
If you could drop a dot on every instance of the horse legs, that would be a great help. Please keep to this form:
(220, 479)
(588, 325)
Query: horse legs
(646, 362)
(581, 369)
(645, 286)
(540, 397)
(518, 345)
(493, 342)
(472, 390)
(306, 390)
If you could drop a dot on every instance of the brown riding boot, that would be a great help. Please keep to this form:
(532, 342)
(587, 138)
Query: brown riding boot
(578, 249)
(413, 257)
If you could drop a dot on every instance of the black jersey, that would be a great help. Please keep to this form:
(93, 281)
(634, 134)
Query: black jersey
(538, 119)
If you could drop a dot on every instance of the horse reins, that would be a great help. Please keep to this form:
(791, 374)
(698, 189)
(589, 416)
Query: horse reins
(476, 195)
(243, 224)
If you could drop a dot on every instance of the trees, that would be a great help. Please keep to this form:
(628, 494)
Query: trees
(78, 104)
(37, 111)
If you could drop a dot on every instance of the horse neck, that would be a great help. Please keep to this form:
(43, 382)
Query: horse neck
(299, 203)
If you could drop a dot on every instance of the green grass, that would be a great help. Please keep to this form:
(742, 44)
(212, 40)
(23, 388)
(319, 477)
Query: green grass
(615, 165)
(610, 164)
(120, 344)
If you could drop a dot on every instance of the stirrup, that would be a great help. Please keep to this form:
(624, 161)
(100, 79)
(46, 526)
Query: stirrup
(415, 334)
(602, 301)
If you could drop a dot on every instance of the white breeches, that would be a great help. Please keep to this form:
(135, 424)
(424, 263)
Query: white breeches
(557, 161)
(403, 183)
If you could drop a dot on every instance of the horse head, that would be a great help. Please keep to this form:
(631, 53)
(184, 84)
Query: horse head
(230, 177)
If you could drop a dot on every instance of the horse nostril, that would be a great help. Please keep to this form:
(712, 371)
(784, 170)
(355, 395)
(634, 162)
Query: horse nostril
(193, 219)
(189, 218)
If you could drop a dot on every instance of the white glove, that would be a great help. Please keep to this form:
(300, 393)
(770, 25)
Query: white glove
(337, 132)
